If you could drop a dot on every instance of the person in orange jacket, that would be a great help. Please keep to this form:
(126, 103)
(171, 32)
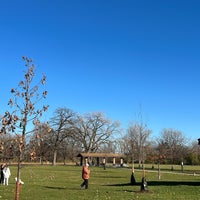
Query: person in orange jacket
(85, 176)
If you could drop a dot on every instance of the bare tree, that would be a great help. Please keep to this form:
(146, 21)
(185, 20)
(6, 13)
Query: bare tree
(138, 141)
(122, 145)
(193, 153)
(39, 143)
(93, 130)
(26, 97)
(7, 144)
(69, 149)
(62, 125)
(173, 142)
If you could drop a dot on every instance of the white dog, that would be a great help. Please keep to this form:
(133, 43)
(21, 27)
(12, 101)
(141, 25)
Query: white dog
(7, 174)
(20, 181)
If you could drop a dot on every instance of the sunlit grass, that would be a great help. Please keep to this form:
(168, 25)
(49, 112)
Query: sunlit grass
(62, 182)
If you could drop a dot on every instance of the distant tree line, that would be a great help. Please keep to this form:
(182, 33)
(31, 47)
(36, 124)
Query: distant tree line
(68, 133)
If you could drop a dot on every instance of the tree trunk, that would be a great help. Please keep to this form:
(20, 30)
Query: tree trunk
(17, 188)
(54, 157)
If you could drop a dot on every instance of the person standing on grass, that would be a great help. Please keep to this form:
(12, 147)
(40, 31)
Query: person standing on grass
(2, 175)
(7, 174)
(85, 176)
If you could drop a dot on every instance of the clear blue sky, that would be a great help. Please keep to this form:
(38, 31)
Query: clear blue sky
(111, 56)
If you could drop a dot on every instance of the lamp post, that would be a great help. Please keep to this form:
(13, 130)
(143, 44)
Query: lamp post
(160, 159)
(199, 141)
(159, 168)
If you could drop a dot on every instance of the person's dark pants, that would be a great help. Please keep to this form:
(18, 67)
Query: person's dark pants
(2, 178)
(85, 183)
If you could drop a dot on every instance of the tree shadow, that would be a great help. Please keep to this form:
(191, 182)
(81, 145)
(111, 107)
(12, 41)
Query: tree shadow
(159, 183)
(105, 177)
(131, 190)
(123, 184)
(54, 188)
(173, 183)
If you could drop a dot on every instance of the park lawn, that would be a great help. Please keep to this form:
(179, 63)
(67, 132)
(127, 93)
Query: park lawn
(63, 183)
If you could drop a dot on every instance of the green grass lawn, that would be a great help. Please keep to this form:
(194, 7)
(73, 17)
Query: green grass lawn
(63, 183)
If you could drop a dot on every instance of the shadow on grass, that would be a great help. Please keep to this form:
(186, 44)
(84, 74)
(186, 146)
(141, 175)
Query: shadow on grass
(173, 183)
(159, 183)
(122, 184)
(54, 188)
(104, 177)
(63, 188)
(135, 186)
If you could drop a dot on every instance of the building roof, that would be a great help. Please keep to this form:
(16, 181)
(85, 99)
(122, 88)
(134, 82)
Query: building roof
(98, 155)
